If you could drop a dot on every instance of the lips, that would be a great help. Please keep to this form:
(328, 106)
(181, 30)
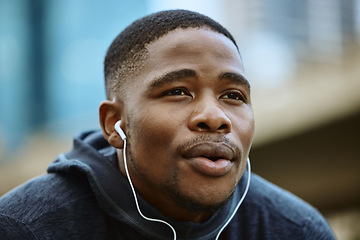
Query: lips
(212, 151)
(212, 159)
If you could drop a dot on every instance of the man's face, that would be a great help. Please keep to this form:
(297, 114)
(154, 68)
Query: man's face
(189, 122)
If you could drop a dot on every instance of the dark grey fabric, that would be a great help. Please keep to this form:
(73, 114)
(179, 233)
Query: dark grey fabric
(84, 196)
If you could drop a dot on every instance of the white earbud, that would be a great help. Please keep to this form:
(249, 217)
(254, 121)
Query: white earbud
(119, 130)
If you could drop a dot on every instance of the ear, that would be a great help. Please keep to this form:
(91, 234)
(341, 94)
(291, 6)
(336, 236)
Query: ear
(109, 113)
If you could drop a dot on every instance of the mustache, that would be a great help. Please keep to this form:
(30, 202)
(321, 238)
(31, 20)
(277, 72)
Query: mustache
(206, 138)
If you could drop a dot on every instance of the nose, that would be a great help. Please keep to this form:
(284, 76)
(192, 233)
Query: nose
(208, 116)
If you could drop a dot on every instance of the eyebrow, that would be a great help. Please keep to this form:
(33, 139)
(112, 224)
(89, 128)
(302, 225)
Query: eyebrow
(236, 78)
(173, 76)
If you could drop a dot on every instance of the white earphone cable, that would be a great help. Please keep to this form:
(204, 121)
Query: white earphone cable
(239, 203)
(135, 197)
(123, 136)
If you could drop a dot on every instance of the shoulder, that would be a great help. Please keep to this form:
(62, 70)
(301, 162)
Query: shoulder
(42, 194)
(278, 213)
(50, 203)
(10, 228)
(262, 193)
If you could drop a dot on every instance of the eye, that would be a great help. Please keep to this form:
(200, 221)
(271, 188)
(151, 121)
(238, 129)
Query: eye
(234, 95)
(176, 92)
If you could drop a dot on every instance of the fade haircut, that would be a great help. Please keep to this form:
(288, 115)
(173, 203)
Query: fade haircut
(128, 52)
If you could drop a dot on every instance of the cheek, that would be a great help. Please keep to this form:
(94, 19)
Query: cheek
(246, 130)
(152, 142)
(243, 120)
(152, 134)
(159, 121)
(243, 127)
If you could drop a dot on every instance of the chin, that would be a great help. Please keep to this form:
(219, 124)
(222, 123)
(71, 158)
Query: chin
(200, 202)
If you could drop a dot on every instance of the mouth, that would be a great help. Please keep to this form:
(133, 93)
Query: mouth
(212, 159)
(211, 151)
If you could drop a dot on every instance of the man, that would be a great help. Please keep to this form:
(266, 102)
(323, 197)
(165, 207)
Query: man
(171, 159)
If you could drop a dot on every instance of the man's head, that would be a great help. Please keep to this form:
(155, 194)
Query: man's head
(128, 51)
(186, 112)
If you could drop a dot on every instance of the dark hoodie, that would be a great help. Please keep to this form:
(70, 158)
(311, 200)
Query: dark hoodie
(85, 196)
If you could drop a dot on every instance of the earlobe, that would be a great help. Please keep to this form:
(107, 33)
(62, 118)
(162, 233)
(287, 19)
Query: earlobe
(109, 113)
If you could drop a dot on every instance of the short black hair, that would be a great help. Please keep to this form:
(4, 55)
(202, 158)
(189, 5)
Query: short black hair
(128, 51)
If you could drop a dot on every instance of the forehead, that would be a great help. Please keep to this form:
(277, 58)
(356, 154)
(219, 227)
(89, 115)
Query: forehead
(193, 41)
(199, 49)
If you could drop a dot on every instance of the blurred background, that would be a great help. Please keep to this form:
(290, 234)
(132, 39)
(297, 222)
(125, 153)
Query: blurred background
(301, 56)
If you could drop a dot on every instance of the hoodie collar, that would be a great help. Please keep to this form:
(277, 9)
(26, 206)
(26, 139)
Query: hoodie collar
(92, 157)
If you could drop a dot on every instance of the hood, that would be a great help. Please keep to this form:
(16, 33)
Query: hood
(94, 159)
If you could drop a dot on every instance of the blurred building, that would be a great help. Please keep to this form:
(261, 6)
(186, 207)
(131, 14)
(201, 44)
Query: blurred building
(51, 64)
(303, 59)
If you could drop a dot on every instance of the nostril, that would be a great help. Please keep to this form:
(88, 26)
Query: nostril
(203, 125)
